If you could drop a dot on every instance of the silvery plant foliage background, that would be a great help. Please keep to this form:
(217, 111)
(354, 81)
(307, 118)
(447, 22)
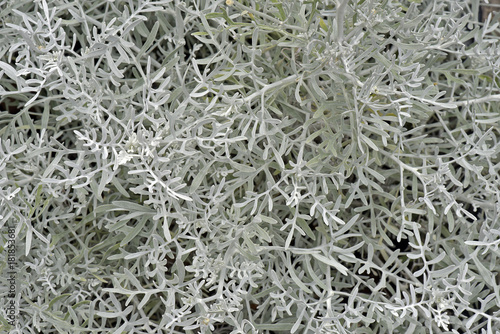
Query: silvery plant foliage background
(244, 166)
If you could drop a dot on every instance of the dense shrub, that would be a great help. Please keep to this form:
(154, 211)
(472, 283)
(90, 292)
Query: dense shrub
(250, 166)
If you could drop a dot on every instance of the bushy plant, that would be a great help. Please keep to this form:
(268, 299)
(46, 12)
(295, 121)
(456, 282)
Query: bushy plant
(250, 166)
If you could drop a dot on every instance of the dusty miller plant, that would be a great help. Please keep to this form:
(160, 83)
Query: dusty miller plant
(251, 166)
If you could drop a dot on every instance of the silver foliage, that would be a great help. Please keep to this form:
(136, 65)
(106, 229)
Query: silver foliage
(251, 166)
